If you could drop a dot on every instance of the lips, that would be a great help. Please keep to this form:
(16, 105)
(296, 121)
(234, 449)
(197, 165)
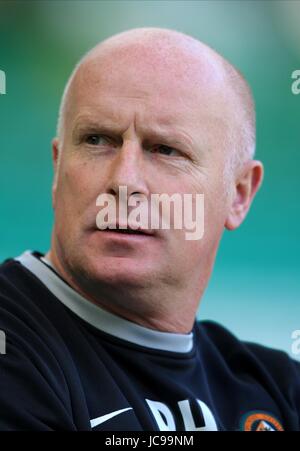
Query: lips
(127, 230)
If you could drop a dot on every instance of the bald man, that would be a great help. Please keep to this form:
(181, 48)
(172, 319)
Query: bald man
(101, 331)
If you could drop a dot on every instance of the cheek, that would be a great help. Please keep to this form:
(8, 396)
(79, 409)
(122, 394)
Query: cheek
(76, 193)
(205, 208)
(77, 180)
(209, 213)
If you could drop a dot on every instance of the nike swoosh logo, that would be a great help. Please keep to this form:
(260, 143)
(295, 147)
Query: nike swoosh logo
(96, 421)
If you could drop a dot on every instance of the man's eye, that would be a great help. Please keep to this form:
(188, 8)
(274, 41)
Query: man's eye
(165, 150)
(94, 139)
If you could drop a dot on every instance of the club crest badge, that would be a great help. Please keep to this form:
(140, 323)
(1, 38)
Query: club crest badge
(260, 421)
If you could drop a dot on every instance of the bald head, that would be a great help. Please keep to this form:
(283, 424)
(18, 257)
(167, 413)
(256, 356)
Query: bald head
(154, 53)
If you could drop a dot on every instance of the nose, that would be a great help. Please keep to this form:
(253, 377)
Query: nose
(128, 169)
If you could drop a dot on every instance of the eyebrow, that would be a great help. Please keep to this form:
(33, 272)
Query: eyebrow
(84, 125)
(107, 126)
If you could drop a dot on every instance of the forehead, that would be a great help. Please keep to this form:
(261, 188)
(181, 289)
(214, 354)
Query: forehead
(103, 87)
(159, 77)
(151, 90)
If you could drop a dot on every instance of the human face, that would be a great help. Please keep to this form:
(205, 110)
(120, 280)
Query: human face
(149, 127)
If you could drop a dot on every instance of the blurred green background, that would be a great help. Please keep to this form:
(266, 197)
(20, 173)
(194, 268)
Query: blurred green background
(254, 289)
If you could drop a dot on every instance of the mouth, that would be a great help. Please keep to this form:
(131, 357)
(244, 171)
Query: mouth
(128, 231)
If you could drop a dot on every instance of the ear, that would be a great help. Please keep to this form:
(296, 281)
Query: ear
(55, 157)
(247, 184)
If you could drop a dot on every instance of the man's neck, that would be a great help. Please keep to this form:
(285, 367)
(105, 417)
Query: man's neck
(177, 320)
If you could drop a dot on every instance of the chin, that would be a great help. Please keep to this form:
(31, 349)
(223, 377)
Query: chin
(119, 270)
